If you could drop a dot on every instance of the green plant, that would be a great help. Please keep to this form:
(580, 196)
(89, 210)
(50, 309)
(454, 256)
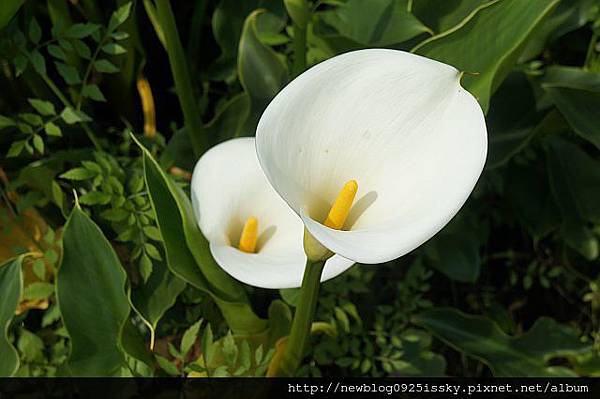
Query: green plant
(96, 225)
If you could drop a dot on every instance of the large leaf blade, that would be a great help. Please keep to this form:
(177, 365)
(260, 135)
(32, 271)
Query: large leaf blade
(441, 16)
(374, 23)
(11, 285)
(575, 183)
(187, 250)
(523, 355)
(92, 299)
(154, 297)
(8, 10)
(488, 42)
(576, 94)
(261, 71)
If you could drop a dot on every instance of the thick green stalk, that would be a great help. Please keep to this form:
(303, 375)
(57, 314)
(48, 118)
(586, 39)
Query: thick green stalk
(305, 311)
(181, 76)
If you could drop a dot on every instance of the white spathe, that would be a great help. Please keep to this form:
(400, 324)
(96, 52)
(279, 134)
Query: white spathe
(397, 123)
(228, 187)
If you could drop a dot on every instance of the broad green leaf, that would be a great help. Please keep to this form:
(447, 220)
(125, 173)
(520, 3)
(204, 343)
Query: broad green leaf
(513, 119)
(575, 183)
(230, 119)
(514, 138)
(298, 11)
(45, 108)
(228, 123)
(11, 285)
(568, 16)
(137, 349)
(576, 93)
(280, 322)
(154, 297)
(227, 23)
(187, 252)
(575, 179)
(291, 296)
(417, 359)
(261, 71)
(441, 16)
(456, 255)
(179, 151)
(488, 42)
(374, 23)
(589, 365)
(526, 355)
(8, 10)
(528, 193)
(455, 250)
(91, 294)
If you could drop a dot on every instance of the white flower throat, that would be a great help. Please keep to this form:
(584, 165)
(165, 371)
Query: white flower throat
(335, 218)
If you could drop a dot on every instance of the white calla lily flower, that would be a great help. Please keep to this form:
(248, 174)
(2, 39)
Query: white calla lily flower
(254, 236)
(398, 125)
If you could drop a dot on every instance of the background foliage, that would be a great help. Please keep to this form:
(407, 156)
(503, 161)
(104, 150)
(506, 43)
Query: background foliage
(510, 287)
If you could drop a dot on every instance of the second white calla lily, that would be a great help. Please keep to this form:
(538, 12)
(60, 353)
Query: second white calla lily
(398, 124)
(231, 198)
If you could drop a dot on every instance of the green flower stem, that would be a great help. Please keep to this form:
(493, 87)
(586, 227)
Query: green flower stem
(305, 311)
(181, 76)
